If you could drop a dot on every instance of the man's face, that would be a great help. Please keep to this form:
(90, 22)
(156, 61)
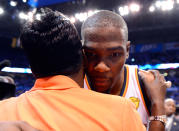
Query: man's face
(106, 51)
(170, 108)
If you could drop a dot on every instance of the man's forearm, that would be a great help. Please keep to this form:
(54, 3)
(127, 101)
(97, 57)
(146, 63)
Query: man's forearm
(157, 110)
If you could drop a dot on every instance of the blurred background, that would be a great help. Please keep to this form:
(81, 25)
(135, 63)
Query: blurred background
(153, 31)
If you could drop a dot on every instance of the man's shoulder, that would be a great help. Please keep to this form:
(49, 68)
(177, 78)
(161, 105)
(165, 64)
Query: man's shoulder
(10, 102)
(132, 66)
(7, 108)
(176, 119)
(7, 101)
(175, 124)
(112, 99)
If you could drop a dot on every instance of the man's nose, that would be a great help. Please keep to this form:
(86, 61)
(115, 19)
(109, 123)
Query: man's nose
(101, 67)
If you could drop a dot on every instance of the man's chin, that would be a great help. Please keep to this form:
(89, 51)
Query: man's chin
(170, 114)
(101, 87)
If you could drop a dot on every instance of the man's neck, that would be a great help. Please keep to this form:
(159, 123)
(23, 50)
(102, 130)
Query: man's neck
(78, 78)
(116, 89)
(171, 115)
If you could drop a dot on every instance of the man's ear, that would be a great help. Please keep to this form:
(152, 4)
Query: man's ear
(82, 42)
(128, 44)
(84, 63)
(84, 59)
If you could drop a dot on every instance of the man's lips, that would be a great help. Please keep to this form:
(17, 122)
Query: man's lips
(101, 79)
(101, 82)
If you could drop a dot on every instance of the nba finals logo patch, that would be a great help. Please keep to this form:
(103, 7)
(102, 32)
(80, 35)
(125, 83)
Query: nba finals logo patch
(135, 101)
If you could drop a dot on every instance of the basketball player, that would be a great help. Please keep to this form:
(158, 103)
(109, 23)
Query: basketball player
(106, 48)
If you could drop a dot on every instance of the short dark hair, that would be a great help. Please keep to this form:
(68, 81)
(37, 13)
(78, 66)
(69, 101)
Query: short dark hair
(105, 18)
(52, 45)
